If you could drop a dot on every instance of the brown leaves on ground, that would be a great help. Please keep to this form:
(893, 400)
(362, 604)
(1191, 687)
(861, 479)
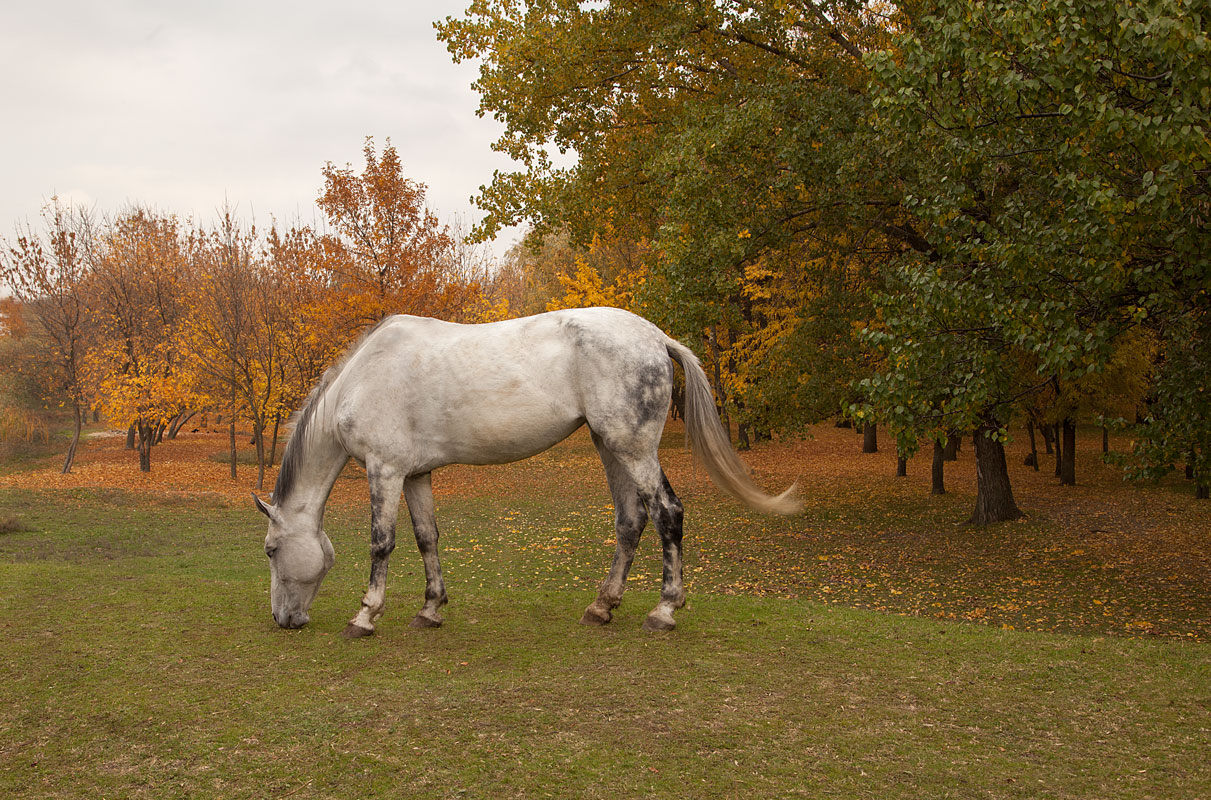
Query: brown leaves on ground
(1101, 557)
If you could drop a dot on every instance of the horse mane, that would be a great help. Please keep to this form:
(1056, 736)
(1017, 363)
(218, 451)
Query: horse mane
(300, 421)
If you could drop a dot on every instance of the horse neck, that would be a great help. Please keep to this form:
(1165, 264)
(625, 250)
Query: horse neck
(323, 461)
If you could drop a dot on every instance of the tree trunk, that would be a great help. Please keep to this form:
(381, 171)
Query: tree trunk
(720, 397)
(901, 466)
(231, 444)
(994, 495)
(147, 435)
(870, 438)
(676, 406)
(951, 451)
(258, 437)
(1033, 459)
(1202, 491)
(1047, 436)
(939, 468)
(1105, 439)
(273, 444)
(1059, 451)
(130, 438)
(743, 443)
(1068, 462)
(75, 437)
(178, 423)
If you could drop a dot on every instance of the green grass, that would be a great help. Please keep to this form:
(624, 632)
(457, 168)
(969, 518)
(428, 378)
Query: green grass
(139, 660)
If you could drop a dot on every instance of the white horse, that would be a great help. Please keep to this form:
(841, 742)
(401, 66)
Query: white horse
(416, 394)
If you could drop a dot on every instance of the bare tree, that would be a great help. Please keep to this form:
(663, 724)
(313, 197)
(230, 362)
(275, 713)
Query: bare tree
(47, 271)
(235, 331)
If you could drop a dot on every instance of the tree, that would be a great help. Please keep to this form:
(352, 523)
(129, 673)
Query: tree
(1062, 204)
(315, 322)
(235, 328)
(137, 364)
(23, 382)
(699, 130)
(547, 271)
(399, 258)
(1175, 427)
(585, 285)
(47, 272)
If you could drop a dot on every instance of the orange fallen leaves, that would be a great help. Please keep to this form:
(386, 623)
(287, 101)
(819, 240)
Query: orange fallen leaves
(1101, 557)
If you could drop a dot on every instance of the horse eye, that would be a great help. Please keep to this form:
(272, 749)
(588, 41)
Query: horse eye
(269, 551)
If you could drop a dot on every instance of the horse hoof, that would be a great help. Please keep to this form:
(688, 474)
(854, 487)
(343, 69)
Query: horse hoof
(595, 616)
(421, 621)
(356, 631)
(657, 622)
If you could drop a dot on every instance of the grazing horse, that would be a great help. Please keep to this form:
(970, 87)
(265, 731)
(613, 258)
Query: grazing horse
(416, 394)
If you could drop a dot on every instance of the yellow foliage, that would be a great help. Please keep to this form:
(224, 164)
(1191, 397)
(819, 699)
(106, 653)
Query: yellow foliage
(149, 390)
(481, 309)
(586, 289)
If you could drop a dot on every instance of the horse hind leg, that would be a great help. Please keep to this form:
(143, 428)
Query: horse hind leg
(667, 512)
(630, 518)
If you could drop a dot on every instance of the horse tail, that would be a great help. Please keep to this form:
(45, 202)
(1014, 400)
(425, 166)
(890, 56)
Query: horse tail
(712, 445)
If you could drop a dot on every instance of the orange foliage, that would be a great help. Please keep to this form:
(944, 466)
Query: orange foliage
(396, 257)
(12, 323)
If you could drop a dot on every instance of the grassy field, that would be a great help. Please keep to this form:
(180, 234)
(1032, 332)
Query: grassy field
(870, 648)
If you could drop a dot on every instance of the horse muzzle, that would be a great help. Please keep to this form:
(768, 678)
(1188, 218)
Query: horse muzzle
(291, 619)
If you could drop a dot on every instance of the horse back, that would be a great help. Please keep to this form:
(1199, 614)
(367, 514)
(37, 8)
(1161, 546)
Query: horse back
(436, 392)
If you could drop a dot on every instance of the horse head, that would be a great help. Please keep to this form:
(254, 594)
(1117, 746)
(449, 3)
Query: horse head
(300, 555)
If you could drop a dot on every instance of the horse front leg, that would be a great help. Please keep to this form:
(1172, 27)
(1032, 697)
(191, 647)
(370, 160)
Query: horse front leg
(418, 491)
(385, 487)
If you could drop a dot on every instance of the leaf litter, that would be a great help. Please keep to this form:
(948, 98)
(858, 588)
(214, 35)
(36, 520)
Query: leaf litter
(1104, 557)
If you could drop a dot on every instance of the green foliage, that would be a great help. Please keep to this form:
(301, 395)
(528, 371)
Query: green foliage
(1061, 203)
(1177, 429)
(1018, 186)
(716, 133)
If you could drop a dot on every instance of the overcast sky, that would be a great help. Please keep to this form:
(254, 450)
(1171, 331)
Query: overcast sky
(180, 105)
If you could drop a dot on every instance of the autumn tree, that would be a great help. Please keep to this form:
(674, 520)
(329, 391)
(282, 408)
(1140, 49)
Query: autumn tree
(137, 362)
(400, 258)
(701, 131)
(47, 271)
(315, 322)
(529, 275)
(235, 329)
(601, 275)
(24, 416)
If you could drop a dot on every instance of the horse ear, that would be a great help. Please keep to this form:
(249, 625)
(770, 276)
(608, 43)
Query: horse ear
(265, 509)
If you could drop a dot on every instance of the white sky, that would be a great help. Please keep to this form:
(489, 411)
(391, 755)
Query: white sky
(181, 105)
